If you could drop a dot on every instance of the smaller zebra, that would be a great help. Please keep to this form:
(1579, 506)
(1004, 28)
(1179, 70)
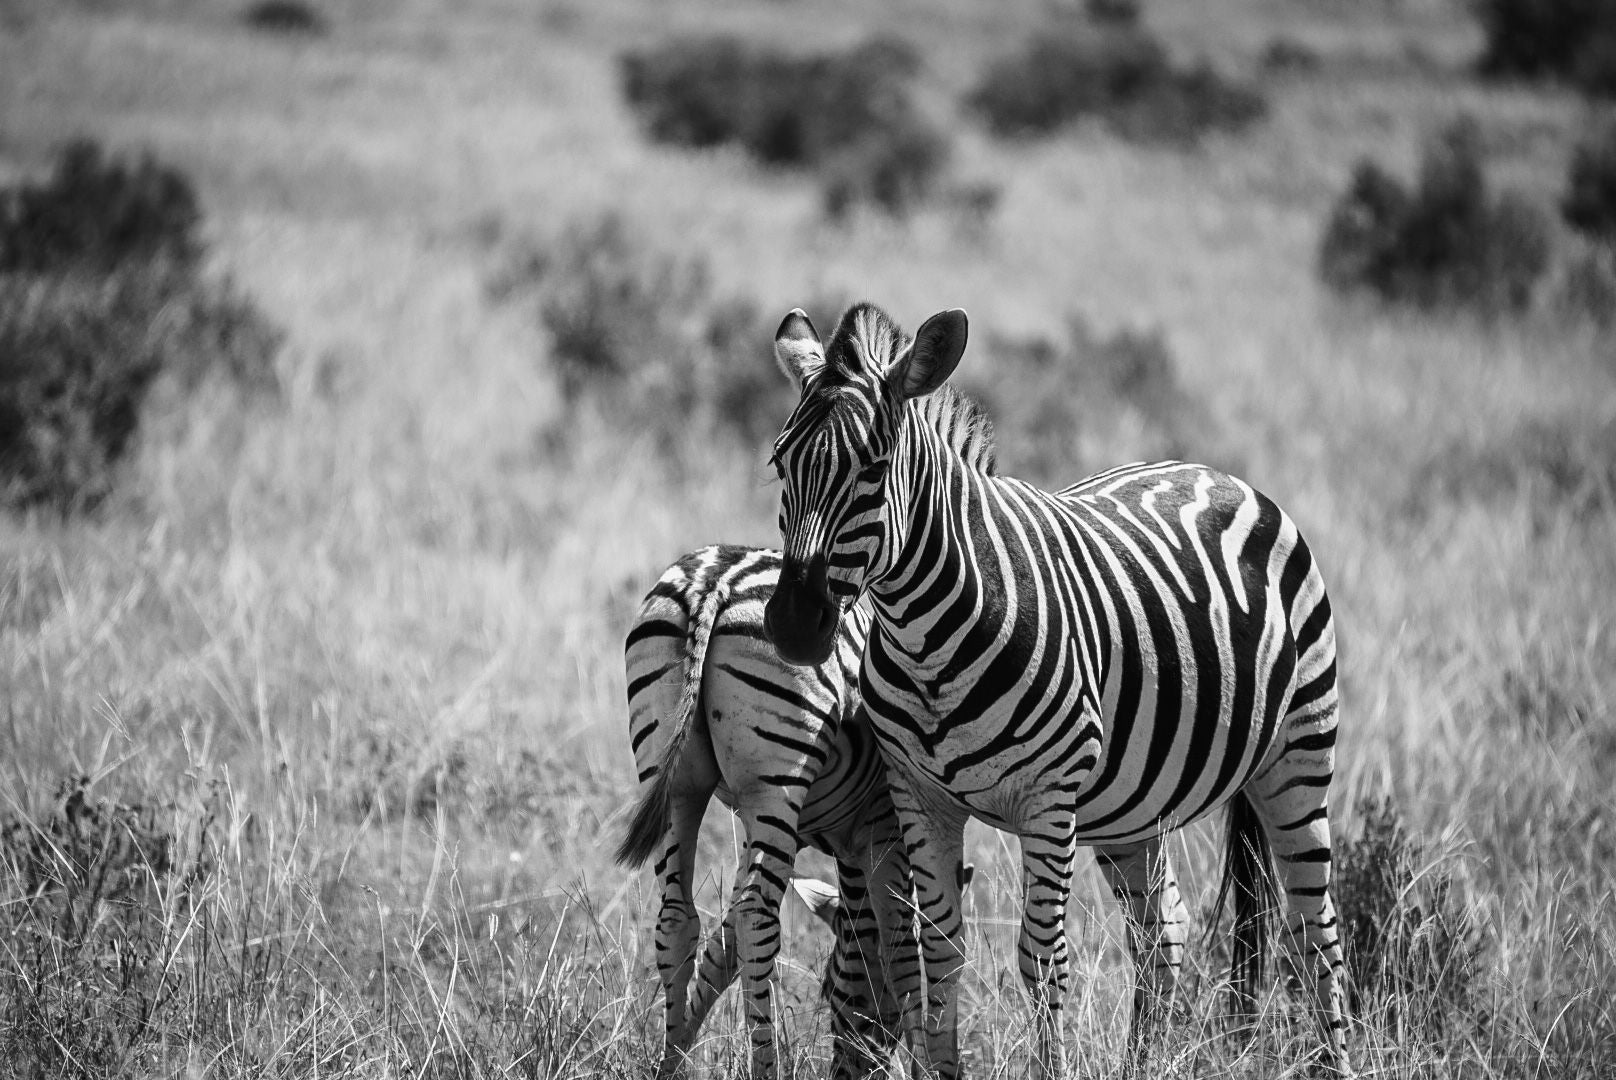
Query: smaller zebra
(712, 709)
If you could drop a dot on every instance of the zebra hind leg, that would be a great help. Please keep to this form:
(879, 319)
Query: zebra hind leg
(771, 848)
(1290, 802)
(719, 966)
(678, 930)
(1142, 879)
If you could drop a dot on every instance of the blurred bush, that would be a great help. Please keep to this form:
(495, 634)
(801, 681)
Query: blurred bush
(1114, 70)
(1567, 40)
(1063, 410)
(1284, 54)
(1413, 952)
(607, 303)
(285, 17)
(100, 296)
(1117, 12)
(1588, 286)
(76, 358)
(1589, 203)
(644, 333)
(851, 115)
(1448, 243)
(95, 213)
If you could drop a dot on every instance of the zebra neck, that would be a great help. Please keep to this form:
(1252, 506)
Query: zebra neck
(933, 583)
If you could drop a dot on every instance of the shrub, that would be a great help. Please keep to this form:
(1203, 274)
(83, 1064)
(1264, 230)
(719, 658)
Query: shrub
(1449, 242)
(1117, 72)
(896, 173)
(1570, 40)
(1116, 12)
(849, 113)
(1288, 54)
(1588, 286)
(76, 358)
(285, 17)
(97, 214)
(607, 303)
(1412, 950)
(643, 332)
(100, 296)
(1589, 203)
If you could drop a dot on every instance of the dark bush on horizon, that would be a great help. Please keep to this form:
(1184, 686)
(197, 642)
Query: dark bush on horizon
(644, 334)
(285, 17)
(1570, 41)
(76, 359)
(849, 115)
(1119, 73)
(1589, 203)
(101, 295)
(1115, 12)
(95, 213)
(1447, 243)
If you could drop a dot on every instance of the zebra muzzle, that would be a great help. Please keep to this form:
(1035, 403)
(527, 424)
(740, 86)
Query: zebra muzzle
(800, 619)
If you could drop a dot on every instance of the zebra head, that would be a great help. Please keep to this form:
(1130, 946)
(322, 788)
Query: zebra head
(834, 458)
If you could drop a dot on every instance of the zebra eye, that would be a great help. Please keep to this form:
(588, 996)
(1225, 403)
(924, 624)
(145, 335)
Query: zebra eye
(779, 469)
(872, 472)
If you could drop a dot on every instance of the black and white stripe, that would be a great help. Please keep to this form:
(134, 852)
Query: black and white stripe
(1091, 667)
(713, 710)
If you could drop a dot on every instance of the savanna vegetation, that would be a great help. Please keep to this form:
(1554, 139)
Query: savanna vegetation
(362, 364)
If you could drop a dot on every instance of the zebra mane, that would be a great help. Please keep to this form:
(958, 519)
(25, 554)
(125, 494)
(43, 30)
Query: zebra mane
(866, 340)
(962, 422)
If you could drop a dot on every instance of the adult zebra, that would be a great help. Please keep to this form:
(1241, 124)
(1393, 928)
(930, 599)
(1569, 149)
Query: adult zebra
(1089, 667)
(712, 708)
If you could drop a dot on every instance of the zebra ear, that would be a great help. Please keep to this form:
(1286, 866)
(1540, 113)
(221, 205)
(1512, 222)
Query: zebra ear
(932, 357)
(797, 348)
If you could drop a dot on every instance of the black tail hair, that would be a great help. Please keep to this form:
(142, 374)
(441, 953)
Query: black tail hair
(651, 813)
(1248, 876)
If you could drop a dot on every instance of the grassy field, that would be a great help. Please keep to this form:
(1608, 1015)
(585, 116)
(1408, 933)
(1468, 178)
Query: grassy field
(343, 668)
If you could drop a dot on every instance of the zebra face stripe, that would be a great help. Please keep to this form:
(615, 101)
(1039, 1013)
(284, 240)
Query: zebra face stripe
(834, 459)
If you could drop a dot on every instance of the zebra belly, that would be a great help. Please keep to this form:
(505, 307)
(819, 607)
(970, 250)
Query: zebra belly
(1155, 755)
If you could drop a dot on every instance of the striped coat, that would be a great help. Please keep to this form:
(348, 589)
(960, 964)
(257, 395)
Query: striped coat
(1089, 667)
(712, 710)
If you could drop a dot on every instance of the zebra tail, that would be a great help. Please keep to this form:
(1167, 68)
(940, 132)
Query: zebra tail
(1248, 877)
(652, 812)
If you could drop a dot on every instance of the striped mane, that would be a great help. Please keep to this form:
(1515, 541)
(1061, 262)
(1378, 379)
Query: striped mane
(963, 424)
(866, 340)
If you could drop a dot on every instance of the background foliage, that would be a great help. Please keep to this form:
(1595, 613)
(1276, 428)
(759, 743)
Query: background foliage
(364, 364)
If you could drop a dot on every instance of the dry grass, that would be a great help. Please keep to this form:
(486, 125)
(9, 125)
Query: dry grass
(370, 633)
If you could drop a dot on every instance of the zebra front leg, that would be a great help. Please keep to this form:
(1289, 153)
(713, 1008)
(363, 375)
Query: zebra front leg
(934, 834)
(881, 983)
(855, 986)
(1047, 854)
(1141, 878)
